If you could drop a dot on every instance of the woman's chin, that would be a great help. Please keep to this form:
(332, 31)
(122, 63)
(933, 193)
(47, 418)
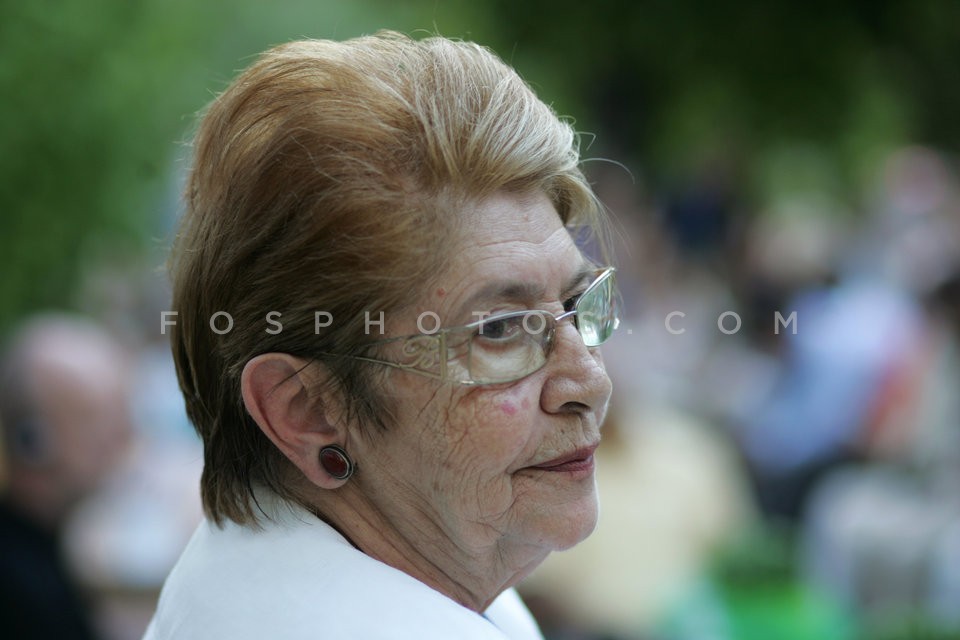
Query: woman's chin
(566, 524)
(579, 529)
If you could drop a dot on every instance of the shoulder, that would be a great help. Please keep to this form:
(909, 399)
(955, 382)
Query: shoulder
(298, 578)
(511, 616)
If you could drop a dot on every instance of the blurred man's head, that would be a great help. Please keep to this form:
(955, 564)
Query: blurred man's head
(63, 412)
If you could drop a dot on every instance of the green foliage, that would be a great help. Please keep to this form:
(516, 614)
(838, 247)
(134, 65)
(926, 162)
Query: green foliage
(915, 627)
(764, 597)
(97, 96)
(95, 93)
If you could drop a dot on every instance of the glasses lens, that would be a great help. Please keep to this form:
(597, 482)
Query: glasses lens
(597, 311)
(509, 347)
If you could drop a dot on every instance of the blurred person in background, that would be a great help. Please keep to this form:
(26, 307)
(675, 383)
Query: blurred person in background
(400, 422)
(883, 536)
(64, 421)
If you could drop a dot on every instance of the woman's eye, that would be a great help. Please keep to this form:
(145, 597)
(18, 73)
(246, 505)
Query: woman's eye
(571, 302)
(502, 329)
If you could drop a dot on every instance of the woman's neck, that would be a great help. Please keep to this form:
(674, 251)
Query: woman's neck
(471, 574)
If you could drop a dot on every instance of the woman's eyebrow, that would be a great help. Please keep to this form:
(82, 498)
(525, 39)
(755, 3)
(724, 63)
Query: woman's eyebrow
(504, 290)
(521, 291)
(586, 273)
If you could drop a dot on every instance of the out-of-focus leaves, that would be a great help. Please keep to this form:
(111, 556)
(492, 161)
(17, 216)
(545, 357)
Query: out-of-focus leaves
(97, 94)
(94, 95)
(98, 97)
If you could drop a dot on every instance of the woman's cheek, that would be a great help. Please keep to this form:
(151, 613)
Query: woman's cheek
(510, 407)
(507, 407)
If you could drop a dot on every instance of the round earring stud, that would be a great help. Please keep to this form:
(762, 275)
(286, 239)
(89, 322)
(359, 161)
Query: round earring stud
(336, 462)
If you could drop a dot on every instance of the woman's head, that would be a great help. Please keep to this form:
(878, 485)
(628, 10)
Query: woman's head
(340, 178)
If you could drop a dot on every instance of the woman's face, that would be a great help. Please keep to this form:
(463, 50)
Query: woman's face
(506, 468)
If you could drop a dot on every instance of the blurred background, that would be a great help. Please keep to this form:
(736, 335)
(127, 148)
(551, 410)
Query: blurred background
(782, 457)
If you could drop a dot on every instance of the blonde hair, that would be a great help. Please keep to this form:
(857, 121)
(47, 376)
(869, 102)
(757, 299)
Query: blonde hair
(333, 176)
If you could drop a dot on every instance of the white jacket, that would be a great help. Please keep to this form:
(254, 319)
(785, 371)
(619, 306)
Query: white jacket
(298, 579)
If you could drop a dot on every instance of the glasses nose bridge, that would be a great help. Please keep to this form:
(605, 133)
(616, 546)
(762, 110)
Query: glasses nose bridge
(551, 337)
(566, 314)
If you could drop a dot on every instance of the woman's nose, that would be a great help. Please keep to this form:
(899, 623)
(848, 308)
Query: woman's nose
(576, 380)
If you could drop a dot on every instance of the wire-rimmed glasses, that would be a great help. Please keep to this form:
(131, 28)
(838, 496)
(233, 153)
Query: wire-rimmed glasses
(509, 346)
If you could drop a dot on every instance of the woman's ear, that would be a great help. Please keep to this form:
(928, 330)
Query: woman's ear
(279, 392)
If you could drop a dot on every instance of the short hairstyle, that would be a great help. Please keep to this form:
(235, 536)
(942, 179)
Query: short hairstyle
(333, 176)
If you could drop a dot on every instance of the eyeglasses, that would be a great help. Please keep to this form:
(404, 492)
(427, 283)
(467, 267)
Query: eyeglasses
(509, 346)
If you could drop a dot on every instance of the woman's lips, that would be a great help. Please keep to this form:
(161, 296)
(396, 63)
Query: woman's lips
(579, 461)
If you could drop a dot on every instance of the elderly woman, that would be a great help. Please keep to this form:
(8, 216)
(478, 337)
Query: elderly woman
(387, 340)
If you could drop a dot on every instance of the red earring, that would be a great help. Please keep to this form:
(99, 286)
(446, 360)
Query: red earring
(336, 462)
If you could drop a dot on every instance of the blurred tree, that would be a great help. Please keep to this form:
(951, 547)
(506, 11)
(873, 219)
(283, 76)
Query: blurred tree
(97, 94)
(674, 81)
(94, 96)
(98, 98)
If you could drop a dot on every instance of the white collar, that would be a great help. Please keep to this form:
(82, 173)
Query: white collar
(297, 578)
